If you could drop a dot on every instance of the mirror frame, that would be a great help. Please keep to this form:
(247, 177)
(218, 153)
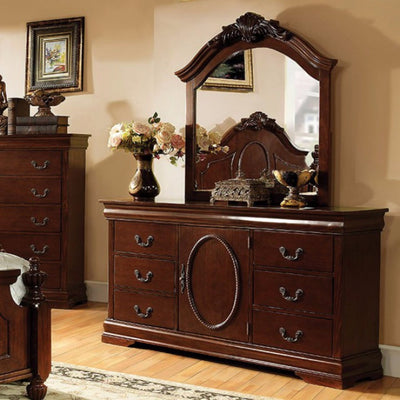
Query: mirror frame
(254, 31)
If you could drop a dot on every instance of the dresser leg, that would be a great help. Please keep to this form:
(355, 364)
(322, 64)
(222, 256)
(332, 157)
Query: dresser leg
(337, 381)
(120, 341)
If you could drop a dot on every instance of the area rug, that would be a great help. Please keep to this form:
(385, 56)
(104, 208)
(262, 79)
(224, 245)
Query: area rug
(70, 382)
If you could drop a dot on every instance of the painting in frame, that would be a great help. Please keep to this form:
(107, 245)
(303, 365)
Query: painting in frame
(233, 74)
(54, 59)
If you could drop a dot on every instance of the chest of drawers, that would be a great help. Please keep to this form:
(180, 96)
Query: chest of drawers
(292, 289)
(42, 197)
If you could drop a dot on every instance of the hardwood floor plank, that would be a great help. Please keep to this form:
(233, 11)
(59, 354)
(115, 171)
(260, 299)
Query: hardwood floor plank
(76, 336)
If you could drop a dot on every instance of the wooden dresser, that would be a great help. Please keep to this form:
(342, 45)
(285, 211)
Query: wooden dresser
(42, 199)
(292, 289)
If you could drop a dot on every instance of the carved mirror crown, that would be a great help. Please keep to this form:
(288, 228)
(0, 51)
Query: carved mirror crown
(251, 31)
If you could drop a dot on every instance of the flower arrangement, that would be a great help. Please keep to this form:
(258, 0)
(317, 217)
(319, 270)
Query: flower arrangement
(208, 142)
(159, 138)
(155, 137)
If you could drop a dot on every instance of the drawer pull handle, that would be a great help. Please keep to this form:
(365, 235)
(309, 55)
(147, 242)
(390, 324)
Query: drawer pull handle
(139, 277)
(286, 256)
(298, 335)
(285, 295)
(149, 311)
(36, 251)
(38, 195)
(37, 166)
(140, 242)
(182, 279)
(37, 223)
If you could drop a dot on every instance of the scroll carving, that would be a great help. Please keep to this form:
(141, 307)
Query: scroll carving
(258, 121)
(250, 28)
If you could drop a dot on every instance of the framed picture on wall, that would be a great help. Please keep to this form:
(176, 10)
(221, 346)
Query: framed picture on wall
(233, 74)
(54, 58)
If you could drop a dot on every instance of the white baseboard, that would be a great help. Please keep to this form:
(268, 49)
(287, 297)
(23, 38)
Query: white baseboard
(390, 360)
(97, 291)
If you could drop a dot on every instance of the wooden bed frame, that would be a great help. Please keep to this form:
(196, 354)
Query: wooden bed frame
(256, 145)
(25, 335)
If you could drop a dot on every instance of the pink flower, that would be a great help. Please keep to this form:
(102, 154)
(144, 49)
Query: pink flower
(177, 142)
(141, 129)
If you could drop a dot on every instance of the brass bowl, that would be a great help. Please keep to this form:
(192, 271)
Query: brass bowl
(294, 180)
(44, 100)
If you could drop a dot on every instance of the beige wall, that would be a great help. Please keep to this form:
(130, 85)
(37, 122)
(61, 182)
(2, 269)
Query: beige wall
(129, 73)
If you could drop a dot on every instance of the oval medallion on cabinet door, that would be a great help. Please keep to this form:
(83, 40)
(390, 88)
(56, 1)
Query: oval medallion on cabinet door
(212, 281)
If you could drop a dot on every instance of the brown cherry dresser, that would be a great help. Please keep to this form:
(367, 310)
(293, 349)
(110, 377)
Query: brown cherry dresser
(42, 199)
(293, 289)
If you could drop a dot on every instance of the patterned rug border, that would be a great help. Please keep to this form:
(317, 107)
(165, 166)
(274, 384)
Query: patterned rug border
(96, 375)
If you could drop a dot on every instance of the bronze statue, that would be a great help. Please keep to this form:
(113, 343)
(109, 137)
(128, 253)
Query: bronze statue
(3, 106)
(3, 96)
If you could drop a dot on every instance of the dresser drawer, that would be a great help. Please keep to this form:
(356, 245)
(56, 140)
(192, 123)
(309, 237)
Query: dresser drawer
(53, 271)
(46, 247)
(146, 238)
(293, 291)
(145, 309)
(30, 162)
(144, 273)
(303, 334)
(30, 218)
(30, 190)
(292, 250)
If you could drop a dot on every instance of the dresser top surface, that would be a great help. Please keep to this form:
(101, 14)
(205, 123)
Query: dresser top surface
(326, 219)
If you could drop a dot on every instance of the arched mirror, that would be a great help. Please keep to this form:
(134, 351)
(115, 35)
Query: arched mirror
(282, 123)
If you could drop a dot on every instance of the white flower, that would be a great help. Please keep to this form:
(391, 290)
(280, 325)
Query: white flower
(117, 128)
(204, 143)
(167, 127)
(164, 135)
(141, 129)
(215, 137)
(200, 131)
(115, 137)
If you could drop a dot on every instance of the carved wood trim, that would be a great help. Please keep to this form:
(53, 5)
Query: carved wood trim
(190, 296)
(243, 35)
(250, 28)
(258, 121)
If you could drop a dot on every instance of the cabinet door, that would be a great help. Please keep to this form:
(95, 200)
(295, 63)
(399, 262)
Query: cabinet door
(213, 284)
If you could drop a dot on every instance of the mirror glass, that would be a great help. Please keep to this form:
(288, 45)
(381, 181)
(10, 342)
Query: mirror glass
(281, 89)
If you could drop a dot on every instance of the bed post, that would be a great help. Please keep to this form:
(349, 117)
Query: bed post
(40, 334)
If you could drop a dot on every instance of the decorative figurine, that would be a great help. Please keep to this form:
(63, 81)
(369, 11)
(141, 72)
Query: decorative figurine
(44, 100)
(294, 180)
(3, 106)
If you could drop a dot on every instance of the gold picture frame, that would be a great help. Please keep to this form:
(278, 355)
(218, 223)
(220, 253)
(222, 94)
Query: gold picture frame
(54, 59)
(233, 74)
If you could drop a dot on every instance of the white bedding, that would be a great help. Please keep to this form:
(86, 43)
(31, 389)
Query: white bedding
(11, 261)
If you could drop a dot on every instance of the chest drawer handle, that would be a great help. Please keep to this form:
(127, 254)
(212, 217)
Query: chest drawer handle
(149, 311)
(139, 277)
(37, 166)
(298, 335)
(37, 223)
(140, 242)
(38, 195)
(36, 251)
(286, 256)
(285, 295)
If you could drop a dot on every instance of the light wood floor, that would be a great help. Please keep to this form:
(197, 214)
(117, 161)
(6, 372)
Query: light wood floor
(77, 340)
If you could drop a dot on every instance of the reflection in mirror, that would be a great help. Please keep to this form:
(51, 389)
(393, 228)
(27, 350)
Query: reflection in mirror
(282, 90)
